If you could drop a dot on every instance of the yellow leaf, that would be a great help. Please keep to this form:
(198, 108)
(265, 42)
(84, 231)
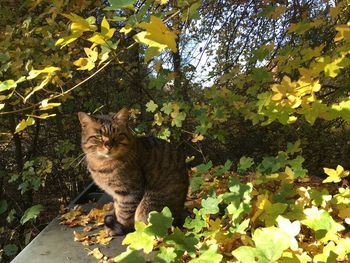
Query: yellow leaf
(104, 26)
(80, 24)
(68, 39)
(97, 39)
(37, 88)
(335, 176)
(343, 32)
(36, 72)
(158, 32)
(162, 2)
(141, 38)
(42, 116)
(291, 229)
(24, 124)
(46, 106)
(104, 57)
(89, 62)
(96, 253)
(197, 137)
(126, 29)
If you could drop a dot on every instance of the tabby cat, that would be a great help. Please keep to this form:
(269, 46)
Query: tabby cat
(141, 173)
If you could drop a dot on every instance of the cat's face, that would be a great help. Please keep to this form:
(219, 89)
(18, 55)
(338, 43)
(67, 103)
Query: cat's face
(105, 136)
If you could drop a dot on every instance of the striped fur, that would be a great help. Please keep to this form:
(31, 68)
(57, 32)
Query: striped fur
(142, 174)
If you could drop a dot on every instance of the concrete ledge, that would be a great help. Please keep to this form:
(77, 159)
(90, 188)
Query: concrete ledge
(55, 244)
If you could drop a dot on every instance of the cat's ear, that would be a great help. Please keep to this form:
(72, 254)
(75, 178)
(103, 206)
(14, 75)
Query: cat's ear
(84, 119)
(122, 115)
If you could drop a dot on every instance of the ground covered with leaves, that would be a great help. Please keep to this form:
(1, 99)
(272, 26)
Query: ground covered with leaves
(266, 212)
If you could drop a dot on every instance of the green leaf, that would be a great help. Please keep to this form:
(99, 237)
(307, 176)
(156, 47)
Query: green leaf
(246, 254)
(167, 108)
(151, 106)
(210, 205)
(166, 255)
(270, 242)
(3, 206)
(7, 84)
(203, 168)
(160, 223)
(208, 256)
(32, 213)
(117, 4)
(322, 223)
(244, 164)
(196, 183)
(139, 239)
(178, 118)
(130, 256)
(223, 168)
(182, 242)
(195, 224)
(10, 250)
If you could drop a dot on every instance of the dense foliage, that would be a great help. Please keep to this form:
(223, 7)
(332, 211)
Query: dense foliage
(225, 78)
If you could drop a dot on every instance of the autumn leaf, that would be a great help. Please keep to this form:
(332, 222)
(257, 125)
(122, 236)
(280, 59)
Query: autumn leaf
(335, 176)
(322, 223)
(96, 253)
(87, 63)
(158, 33)
(45, 105)
(197, 137)
(162, 2)
(24, 124)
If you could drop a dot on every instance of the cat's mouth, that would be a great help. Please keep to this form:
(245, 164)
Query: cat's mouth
(106, 155)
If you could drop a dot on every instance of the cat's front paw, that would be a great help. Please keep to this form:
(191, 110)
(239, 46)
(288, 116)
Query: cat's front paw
(113, 228)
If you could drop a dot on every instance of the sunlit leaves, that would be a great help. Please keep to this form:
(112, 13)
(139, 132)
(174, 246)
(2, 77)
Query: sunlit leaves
(78, 26)
(165, 255)
(45, 105)
(182, 242)
(87, 63)
(343, 32)
(139, 239)
(130, 255)
(96, 253)
(335, 175)
(269, 246)
(157, 35)
(101, 38)
(117, 4)
(291, 229)
(322, 223)
(209, 255)
(159, 223)
(36, 72)
(24, 124)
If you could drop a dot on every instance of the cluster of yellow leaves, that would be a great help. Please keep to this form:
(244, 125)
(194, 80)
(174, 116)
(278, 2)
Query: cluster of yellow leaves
(77, 217)
(157, 36)
(295, 93)
(101, 237)
(78, 27)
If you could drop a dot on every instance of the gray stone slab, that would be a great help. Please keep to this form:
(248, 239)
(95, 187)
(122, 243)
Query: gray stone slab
(55, 244)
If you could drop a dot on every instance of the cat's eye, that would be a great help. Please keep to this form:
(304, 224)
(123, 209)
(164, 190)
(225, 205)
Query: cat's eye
(98, 136)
